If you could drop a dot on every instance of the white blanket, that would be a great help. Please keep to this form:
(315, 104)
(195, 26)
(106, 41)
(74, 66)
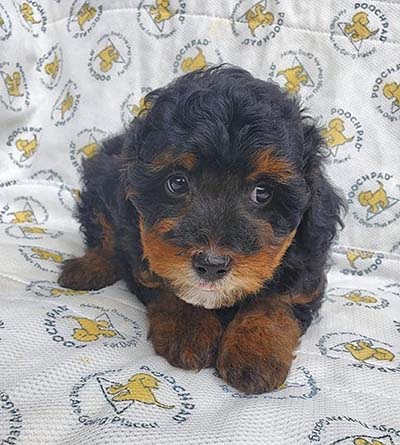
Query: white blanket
(73, 72)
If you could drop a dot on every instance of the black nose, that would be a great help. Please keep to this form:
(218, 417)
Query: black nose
(211, 267)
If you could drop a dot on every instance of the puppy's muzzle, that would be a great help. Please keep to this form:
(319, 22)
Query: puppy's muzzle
(211, 267)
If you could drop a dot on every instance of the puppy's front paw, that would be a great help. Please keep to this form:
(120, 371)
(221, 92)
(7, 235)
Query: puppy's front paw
(187, 338)
(251, 371)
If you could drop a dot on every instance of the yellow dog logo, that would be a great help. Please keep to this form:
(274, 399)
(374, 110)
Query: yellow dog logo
(108, 56)
(374, 200)
(52, 68)
(45, 255)
(1, 21)
(354, 254)
(27, 147)
(161, 12)
(356, 297)
(363, 351)
(138, 389)
(27, 13)
(196, 63)
(258, 16)
(66, 104)
(392, 91)
(85, 14)
(142, 108)
(362, 441)
(358, 29)
(33, 230)
(24, 216)
(295, 77)
(91, 330)
(334, 133)
(89, 150)
(57, 292)
(13, 83)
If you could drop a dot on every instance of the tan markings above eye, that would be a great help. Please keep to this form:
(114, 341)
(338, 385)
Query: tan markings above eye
(167, 158)
(265, 162)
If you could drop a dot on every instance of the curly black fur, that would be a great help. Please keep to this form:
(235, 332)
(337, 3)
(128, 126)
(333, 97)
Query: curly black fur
(223, 116)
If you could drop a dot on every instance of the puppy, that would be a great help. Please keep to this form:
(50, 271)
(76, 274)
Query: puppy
(215, 210)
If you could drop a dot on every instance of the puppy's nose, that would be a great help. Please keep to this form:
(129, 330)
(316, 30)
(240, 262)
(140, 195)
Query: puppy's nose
(211, 267)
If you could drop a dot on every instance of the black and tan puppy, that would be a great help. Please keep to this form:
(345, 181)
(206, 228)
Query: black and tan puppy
(214, 209)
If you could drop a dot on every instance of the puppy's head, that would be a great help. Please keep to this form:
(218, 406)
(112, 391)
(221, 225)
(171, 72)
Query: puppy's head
(219, 177)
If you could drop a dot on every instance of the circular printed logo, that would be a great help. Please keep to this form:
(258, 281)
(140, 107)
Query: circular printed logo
(83, 17)
(42, 258)
(134, 105)
(32, 232)
(374, 200)
(345, 430)
(10, 420)
(356, 297)
(161, 18)
(354, 31)
(68, 197)
(111, 57)
(141, 397)
(24, 143)
(14, 93)
(362, 262)
(256, 23)
(386, 93)
(298, 72)
(360, 350)
(50, 66)
(22, 210)
(195, 55)
(5, 24)
(51, 289)
(300, 384)
(85, 145)
(107, 327)
(67, 103)
(344, 136)
(32, 16)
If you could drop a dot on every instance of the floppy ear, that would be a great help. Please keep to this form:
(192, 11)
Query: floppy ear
(322, 217)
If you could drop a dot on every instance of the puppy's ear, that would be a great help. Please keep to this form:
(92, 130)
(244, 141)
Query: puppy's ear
(322, 217)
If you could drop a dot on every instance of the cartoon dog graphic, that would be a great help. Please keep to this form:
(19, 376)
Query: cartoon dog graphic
(295, 77)
(362, 441)
(1, 21)
(142, 108)
(357, 298)
(91, 330)
(392, 91)
(34, 230)
(66, 104)
(85, 14)
(27, 13)
(363, 351)
(45, 255)
(28, 148)
(358, 29)
(258, 16)
(374, 200)
(13, 83)
(24, 216)
(57, 292)
(138, 389)
(108, 56)
(354, 254)
(334, 133)
(196, 63)
(161, 12)
(89, 150)
(52, 68)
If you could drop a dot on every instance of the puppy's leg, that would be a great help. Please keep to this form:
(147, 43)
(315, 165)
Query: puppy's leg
(186, 335)
(98, 267)
(258, 346)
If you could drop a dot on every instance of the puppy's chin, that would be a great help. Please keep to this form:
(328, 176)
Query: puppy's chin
(209, 299)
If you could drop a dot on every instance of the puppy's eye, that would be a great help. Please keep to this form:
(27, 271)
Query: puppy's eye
(177, 184)
(260, 194)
